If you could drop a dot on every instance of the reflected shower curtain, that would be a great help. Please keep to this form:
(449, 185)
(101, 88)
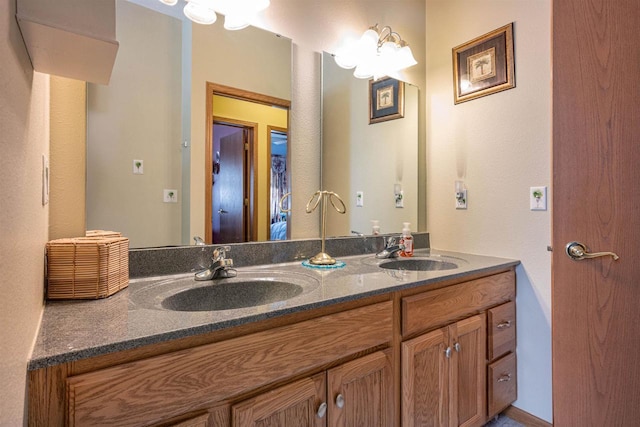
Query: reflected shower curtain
(278, 189)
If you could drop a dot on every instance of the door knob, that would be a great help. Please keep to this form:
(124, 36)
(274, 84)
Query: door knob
(577, 251)
(222, 211)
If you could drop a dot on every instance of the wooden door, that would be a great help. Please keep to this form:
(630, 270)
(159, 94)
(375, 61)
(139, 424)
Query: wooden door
(231, 189)
(596, 172)
(361, 392)
(425, 380)
(468, 372)
(293, 405)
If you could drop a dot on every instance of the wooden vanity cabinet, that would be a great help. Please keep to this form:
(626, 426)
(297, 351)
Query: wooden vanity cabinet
(443, 376)
(358, 392)
(444, 354)
(436, 355)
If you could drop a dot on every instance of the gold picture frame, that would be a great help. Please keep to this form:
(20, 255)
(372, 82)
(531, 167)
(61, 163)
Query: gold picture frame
(484, 65)
(386, 100)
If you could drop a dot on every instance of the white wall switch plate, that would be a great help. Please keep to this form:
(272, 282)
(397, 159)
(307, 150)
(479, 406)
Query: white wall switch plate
(359, 199)
(538, 198)
(45, 180)
(399, 199)
(461, 199)
(138, 167)
(170, 196)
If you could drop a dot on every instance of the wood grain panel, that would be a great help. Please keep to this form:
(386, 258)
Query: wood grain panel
(47, 395)
(596, 157)
(435, 308)
(502, 384)
(501, 330)
(469, 373)
(425, 380)
(165, 386)
(295, 404)
(366, 385)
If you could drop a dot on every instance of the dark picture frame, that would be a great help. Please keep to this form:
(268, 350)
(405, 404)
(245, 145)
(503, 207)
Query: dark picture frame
(484, 65)
(386, 100)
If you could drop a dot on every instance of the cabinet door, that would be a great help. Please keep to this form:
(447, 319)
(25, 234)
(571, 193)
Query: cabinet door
(425, 380)
(293, 405)
(361, 392)
(468, 374)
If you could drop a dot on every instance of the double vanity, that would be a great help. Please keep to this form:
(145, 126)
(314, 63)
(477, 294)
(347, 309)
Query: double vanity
(423, 341)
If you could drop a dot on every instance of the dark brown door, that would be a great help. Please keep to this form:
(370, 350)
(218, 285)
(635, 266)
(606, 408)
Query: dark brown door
(596, 172)
(230, 190)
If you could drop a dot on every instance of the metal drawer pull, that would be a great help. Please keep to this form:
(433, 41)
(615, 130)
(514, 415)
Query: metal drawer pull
(340, 401)
(504, 325)
(457, 347)
(504, 378)
(577, 251)
(447, 353)
(322, 410)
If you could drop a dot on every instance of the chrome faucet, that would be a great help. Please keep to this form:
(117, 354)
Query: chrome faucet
(221, 266)
(391, 249)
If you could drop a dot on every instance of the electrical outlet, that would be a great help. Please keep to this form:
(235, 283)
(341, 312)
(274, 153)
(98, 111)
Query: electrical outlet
(138, 167)
(170, 196)
(538, 198)
(359, 199)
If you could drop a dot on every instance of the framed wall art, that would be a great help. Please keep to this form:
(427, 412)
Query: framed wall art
(484, 65)
(386, 100)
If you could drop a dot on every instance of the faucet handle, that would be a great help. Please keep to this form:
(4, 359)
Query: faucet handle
(391, 241)
(221, 252)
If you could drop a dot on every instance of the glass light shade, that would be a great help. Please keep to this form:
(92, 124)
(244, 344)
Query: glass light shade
(169, 2)
(346, 61)
(235, 22)
(200, 12)
(405, 58)
(368, 41)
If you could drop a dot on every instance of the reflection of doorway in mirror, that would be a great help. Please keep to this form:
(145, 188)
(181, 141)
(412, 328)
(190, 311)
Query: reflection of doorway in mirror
(279, 186)
(231, 217)
(260, 113)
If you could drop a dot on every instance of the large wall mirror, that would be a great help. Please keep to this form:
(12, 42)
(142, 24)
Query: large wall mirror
(147, 143)
(153, 111)
(374, 167)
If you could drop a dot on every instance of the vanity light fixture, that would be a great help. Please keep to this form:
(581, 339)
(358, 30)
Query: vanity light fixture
(238, 13)
(376, 54)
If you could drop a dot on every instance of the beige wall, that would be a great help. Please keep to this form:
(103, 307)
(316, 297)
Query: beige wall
(68, 158)
(138, 116)
(499, 146)
(24, 120)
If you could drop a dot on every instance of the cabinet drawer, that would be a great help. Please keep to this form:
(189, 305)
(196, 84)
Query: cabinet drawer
(432, 309)
(502, 377)
(501, 330)
(166, 386)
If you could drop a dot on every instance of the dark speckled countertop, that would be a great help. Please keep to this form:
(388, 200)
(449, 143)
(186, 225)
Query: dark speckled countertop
(135, 317)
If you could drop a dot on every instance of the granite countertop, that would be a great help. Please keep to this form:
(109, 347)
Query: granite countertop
(135, 317)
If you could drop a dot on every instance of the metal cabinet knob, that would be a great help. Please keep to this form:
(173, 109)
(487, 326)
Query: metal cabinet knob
(322, 410)
(340, 401)
(457, 347)
(577, 251)
(447, 353)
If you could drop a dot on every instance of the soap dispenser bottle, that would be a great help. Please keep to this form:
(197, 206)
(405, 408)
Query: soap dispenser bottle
(407, 241)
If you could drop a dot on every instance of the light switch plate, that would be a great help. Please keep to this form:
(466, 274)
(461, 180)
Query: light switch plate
(138, 167)
(538, 198)
(461, 199)
(170, 196)
(45, 180)
(359, 199)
